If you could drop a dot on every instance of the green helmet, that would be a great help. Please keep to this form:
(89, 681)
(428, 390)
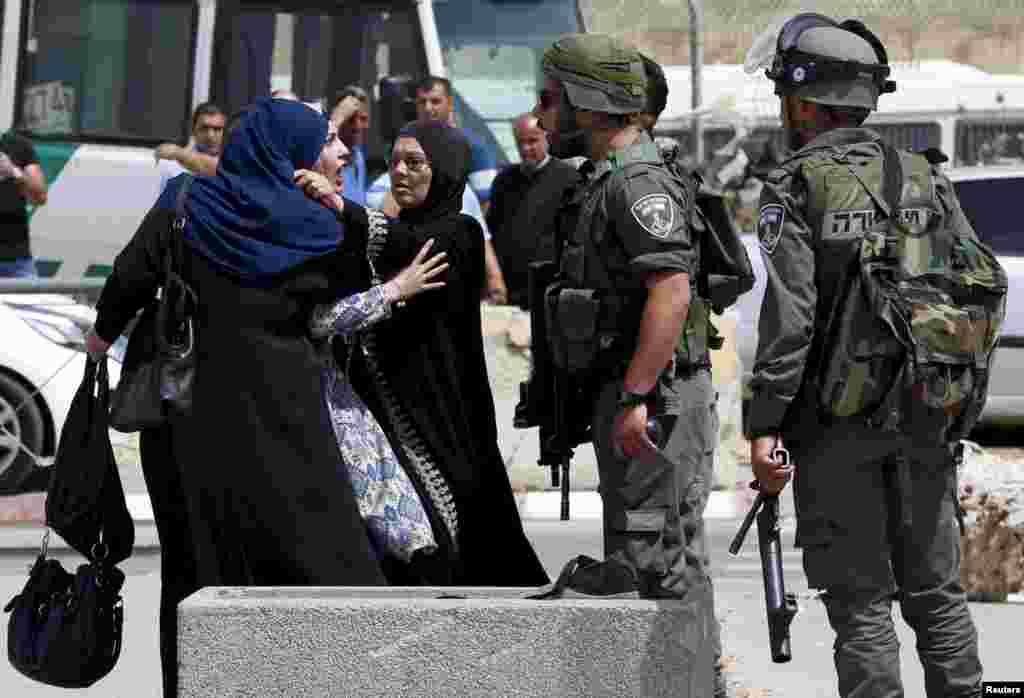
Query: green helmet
(817, 59)
(600, 73)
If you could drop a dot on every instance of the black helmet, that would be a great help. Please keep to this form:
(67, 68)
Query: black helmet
(820, 60)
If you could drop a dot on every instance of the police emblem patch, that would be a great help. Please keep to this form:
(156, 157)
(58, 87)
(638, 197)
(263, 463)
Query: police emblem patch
(769, 226)
(655, 214)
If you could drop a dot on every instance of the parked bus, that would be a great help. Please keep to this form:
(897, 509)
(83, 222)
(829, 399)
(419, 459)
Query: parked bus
(97, 84)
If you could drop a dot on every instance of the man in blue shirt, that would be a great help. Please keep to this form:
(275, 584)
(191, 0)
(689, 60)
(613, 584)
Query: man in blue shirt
(434, 102)
(351, 115)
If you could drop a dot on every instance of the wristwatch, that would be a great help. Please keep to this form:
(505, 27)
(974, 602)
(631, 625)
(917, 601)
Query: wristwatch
(629, 400)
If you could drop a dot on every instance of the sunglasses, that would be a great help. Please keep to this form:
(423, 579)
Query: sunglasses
(547, 99)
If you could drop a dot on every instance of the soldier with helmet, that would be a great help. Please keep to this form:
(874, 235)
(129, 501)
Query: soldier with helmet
(875, 508)
(636, 325)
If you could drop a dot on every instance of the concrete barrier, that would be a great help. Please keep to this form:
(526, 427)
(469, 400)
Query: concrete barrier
(401, 641)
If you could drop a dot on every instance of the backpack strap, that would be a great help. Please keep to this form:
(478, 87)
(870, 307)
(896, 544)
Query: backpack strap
(892, 177)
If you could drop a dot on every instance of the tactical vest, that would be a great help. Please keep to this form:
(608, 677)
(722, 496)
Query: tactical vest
(592, 258)
(910, 300)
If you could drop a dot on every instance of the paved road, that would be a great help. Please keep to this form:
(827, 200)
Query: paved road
(739, 599)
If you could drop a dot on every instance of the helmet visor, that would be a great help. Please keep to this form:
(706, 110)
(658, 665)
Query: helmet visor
(762, 52)
(782, 31)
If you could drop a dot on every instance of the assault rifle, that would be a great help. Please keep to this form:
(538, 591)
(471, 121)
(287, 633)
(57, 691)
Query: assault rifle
(548, 398)
(780, 605)
(555, 398)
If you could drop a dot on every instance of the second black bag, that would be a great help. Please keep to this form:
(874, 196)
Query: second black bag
(159, 366)
(65, 629)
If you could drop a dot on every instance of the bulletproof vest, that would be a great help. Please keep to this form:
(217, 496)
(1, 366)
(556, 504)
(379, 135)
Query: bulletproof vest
(592, 257)
(910, 300)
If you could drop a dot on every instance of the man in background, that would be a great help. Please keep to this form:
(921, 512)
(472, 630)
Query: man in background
(351, 115)
(21, 182)
(200, 156)
(524, 203)
(436, 102)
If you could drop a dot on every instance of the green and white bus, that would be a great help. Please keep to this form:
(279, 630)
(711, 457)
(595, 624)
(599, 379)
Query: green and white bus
(97, 84)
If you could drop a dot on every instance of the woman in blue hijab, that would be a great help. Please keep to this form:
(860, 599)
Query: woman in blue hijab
(247, 490)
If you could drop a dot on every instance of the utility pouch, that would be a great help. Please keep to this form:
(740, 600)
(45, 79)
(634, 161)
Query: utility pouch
(695, 340)
(572, 320)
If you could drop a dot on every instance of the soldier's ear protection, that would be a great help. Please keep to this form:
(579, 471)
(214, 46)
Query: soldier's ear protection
(792, 67)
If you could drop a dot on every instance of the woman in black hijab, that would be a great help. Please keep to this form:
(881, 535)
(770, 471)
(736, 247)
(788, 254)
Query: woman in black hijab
(426, 367)
(247, 490)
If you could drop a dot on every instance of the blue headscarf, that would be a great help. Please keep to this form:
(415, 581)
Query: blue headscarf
(250, 219)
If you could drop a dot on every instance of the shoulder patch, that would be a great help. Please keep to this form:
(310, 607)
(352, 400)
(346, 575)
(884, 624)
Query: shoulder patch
(769, 226)
(655, 214)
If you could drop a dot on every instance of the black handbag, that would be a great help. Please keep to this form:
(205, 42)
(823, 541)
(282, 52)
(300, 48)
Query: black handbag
(159, 366)
(65, 629)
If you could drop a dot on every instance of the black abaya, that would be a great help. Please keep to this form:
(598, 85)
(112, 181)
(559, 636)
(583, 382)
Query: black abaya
(431, 376)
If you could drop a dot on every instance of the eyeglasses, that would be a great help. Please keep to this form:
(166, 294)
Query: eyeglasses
(412, 164)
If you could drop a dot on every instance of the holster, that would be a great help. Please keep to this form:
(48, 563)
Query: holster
(536, 393)
(572, 317)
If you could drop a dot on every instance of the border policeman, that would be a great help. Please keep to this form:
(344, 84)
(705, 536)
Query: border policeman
(875, 511)
(626, 240)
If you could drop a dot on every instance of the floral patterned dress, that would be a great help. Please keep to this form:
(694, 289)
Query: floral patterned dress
(388, 502)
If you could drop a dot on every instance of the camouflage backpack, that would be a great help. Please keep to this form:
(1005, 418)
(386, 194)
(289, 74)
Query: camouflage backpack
(910, 341)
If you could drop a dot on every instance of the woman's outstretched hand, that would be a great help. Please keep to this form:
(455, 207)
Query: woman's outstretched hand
(319, 188)
(416, 277)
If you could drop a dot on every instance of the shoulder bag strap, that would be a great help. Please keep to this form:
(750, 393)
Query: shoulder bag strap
(175, 249)
(892, 178)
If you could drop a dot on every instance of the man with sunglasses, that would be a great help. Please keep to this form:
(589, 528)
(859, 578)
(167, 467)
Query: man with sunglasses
(875, 509)
(637, 328)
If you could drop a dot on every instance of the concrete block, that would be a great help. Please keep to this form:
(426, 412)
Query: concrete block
(402, 641)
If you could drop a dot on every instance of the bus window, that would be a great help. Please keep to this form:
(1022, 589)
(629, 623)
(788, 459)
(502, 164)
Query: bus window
(913, 136)
(106, 69)
(991, 142)
(311, 51)
(492, 51)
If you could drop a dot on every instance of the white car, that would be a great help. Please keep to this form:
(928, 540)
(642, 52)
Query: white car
(42, 362)
(988, 197)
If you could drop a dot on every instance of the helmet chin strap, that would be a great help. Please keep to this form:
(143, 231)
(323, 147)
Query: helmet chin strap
(571, 141)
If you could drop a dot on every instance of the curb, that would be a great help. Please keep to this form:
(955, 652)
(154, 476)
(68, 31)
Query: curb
(547, 506)
(534, 506)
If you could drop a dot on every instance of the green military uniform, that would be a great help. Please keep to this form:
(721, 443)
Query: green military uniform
(630, 219)
(875, 509)
(875, 512)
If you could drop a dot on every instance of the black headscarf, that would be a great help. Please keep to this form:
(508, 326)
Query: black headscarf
(431, 354)
(449, 154)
